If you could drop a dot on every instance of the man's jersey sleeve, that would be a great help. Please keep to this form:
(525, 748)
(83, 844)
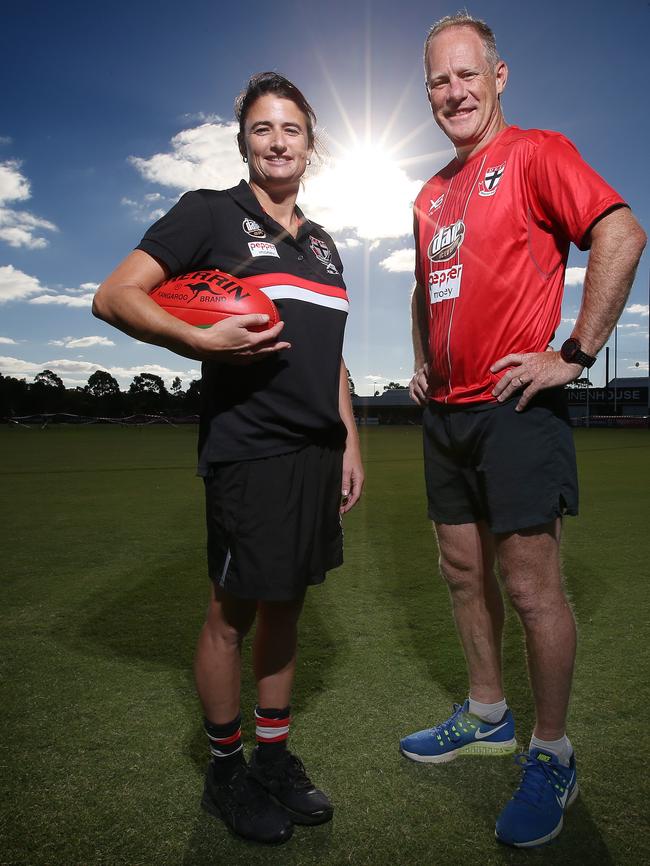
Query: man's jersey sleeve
(566, 194)
(183, 236)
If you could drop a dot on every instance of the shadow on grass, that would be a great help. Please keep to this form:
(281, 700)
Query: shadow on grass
(423, 621)
(480, 788)
(475, 787)
(422, 615)
(211, 843)
(156, 624)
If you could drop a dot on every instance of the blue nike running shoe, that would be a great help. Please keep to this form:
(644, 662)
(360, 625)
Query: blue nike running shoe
(462, 734)
(535, 813)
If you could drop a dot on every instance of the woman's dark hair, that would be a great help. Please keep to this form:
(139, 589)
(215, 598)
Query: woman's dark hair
(271, 82)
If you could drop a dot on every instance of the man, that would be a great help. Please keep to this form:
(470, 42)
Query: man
(492, 234)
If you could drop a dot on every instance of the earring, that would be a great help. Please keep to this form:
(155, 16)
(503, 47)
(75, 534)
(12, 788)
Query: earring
(245, 158)
(309, 162)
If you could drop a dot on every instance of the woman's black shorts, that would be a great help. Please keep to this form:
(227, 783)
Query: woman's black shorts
(273, 523)
(513, 470)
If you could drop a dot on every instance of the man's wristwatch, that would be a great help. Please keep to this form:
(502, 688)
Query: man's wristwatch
(572, 353)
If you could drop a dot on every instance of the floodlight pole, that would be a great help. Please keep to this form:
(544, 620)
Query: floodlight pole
(588, 386)
(615, 366)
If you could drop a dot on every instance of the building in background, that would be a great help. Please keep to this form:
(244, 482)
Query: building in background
(622, 403)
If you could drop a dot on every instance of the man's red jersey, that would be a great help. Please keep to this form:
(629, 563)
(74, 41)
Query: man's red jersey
(492, 238)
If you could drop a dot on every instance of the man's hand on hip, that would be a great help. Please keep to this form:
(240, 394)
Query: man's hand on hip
(531, 373)
(419, 385)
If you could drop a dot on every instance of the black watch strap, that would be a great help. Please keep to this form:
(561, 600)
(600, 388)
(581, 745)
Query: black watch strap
(571, 352)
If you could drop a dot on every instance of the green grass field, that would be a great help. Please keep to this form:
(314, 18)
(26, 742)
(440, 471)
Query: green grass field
(103, 590)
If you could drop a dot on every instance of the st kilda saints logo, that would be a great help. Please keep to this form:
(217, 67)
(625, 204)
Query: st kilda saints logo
(253, 229)
(491, 178)
(216, 284)
(323, 253)
(444, 244)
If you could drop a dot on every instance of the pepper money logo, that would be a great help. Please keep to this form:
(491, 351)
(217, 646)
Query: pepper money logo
(444, 244)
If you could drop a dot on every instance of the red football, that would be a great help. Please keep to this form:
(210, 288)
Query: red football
(203, 298)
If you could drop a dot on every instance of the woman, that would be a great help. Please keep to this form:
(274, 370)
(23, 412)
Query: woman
(278, 447)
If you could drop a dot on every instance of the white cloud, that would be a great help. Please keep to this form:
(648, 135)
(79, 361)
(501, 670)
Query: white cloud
(19, 228)
(81, 342)
(202, 117)
(73, 372)
(568, 321)
(143, 212)
(343, 194)
(5, 139)
(7, 341)
(17, 236)
(202, 156)
(65, 300)
(16, 285)
(399, 261)
(638, 309)
(628, 326)
(574, 276)
(14, 186)
(347, 243)
(639, 365)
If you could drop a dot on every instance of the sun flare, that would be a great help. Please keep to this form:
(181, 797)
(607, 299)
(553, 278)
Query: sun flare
(365, 187)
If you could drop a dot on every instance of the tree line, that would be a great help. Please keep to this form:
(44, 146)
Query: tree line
(100, 397)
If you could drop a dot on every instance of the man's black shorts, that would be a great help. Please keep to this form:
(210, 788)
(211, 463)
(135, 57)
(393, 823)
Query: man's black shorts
(273, 523)
(512, 470)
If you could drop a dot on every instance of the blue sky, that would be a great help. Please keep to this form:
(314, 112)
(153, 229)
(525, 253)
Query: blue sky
(111, 111)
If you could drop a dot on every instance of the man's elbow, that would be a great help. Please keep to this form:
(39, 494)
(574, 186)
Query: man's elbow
(633, 238)
(100, 308)
(640, 239)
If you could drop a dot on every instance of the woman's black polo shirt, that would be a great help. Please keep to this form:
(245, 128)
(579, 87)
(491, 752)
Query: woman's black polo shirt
(290, 399)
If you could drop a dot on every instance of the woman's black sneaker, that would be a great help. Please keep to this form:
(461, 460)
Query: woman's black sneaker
(245, 806)
(285, 778)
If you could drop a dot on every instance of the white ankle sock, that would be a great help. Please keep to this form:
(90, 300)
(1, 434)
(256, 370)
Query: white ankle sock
(562, 747)
(491, 713)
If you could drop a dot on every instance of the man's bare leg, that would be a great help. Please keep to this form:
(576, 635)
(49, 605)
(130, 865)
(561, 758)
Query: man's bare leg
(529, 562)
(467, 566)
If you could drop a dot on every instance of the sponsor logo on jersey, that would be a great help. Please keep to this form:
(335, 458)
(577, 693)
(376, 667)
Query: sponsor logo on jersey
(445, 284)
(491, 178)
(263, 248)
(444, 244)
(323, 253)
(253, 229)
(436, 204)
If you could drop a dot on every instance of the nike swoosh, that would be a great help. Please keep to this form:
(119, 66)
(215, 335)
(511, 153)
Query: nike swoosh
(481, 735)
(562, 800)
